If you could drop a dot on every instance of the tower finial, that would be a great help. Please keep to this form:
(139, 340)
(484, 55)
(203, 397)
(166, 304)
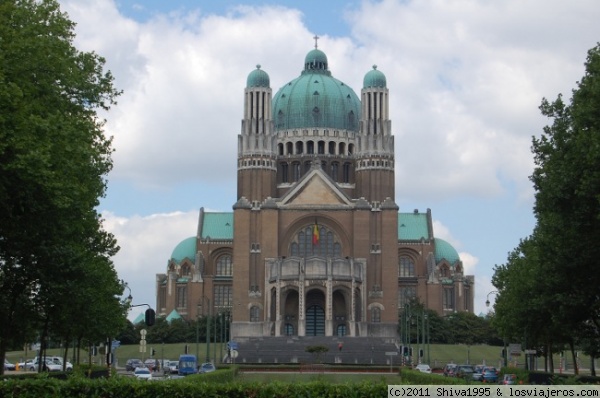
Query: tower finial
(316, 38)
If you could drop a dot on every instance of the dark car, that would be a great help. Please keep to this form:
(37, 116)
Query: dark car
(131, 364)
(490, 375)
(207, 367)
(450, 370)
(465, 372)
(478, 374)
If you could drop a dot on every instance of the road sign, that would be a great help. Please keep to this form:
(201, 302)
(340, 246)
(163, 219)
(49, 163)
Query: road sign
(234, 354)
(115, 344)
(143, 334)
(391, 353)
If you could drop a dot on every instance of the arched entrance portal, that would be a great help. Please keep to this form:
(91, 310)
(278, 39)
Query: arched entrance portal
(315, 314)
(315, 321)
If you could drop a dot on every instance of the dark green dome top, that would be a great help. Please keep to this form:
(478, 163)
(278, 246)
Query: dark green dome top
(258, 78)
(316, 99)
(374, 78)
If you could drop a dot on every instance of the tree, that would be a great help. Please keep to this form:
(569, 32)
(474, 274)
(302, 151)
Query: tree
(53, 161)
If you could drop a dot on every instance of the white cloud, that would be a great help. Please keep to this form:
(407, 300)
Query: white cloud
(146, 245)
(465, 77)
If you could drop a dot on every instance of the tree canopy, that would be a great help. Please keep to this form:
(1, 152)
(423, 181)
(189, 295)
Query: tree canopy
(548, 289)
(55, 257)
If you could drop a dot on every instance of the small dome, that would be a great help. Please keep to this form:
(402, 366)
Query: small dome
(185, 249)
(374, 78)
(315, 60)
(445, 251)
(258, 78)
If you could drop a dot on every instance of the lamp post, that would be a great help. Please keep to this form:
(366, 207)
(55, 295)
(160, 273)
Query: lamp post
(504, 351)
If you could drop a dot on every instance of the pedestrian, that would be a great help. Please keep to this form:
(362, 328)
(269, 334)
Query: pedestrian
(340, 346)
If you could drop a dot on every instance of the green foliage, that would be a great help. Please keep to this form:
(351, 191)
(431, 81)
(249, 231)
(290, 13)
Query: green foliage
(56, 276)
(317, 351)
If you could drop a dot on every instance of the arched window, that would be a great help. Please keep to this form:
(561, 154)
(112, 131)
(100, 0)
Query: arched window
(307, 244)
(185, 270)
(224, 267)
(254, 314)
(376, 315)
(289, 329)
(406, 268)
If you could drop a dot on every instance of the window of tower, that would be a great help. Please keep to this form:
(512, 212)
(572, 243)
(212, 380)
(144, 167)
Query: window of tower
(346, 173)
(335, 170)
(254, 314)
(376, 315)
(310, 147)
(342, 150)
(406, 267)
(224, 266)
(321, 147)
(289, 148)
(280, 149)
(406, 294)
(448, 298)
(284, 173)
(350, 149)
(296, 171)
(223, 296)
(181, 296)
(305, 245)
(299, 147)
(332, 148)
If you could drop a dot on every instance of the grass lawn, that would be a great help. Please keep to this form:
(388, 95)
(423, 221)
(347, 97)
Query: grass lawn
(333, 378)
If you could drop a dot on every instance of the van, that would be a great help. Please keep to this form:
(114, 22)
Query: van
(188, 365)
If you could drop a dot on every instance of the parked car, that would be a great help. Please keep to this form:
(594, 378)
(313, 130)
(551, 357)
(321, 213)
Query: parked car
(47, 365)
(465, 372)
(151, 363)
(142, 373)
(207, 367)
(509, 378)
(59, 361)
(478, 374)
(25, 365)
(173, 367)
(423, 367)
(450, 370)
(490, 375)
(133, 363)
(9, 366)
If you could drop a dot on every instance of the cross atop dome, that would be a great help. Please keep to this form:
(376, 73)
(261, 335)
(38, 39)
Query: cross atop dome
(316, 38)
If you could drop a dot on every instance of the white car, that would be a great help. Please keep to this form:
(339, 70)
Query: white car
(48, 365)
(423, 367)
(142, 373)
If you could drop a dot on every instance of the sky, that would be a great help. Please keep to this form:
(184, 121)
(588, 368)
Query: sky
(465, 77)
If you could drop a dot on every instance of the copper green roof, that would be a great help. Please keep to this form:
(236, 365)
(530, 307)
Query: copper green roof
(445, 251)
(185, 249)
(217, 226)
(173, 315)
(316, 99)
(413, 226)
(258, 78)
(374, 78)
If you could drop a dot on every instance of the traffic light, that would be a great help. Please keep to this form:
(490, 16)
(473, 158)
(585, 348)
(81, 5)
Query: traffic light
(420, 353)
(405, 351)
(150, 317)
(153, 352)
(94, 350)
(186, 349)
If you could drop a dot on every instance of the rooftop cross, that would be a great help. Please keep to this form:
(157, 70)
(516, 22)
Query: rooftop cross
(316, 38)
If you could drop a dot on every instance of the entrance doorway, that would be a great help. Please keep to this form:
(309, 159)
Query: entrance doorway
(315, 321)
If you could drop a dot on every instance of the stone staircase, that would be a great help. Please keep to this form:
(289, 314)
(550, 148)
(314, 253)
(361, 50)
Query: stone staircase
(355, 350)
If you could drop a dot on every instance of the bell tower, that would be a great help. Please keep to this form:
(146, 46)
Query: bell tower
(257, 167)
(375, 149)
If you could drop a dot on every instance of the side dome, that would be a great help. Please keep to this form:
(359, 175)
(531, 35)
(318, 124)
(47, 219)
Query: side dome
(258, 78)
(185, 249)
(374, 78)
(316, 99)
(445, 251)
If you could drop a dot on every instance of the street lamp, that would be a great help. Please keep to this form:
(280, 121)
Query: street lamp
(504, 352)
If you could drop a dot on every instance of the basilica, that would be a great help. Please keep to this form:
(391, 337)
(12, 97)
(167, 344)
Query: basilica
(314, 244)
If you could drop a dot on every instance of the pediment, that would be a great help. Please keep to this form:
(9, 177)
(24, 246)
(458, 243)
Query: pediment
(315, 189)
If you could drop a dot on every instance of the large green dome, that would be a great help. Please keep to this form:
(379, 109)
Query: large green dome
(185, 249)
(316, 99)
(445, 251)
